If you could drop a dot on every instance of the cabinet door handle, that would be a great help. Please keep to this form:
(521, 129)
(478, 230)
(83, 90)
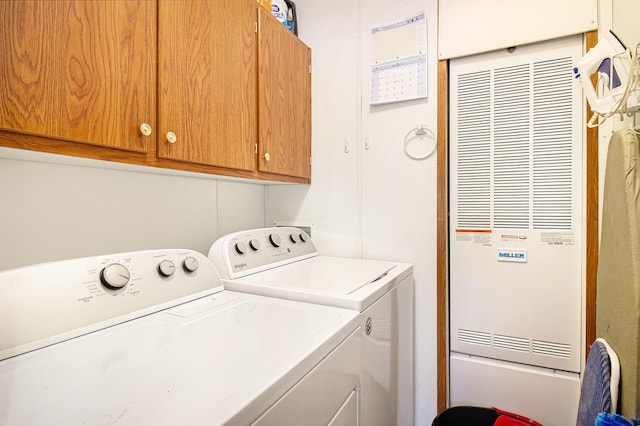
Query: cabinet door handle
(267, 157)
(145, 129)
(171, 137)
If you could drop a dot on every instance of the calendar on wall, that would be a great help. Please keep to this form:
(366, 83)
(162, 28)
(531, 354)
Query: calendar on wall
(399, 61)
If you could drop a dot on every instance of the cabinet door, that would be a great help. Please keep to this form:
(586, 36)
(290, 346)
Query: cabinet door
(79, 71)
(284, 97)
(207, 82)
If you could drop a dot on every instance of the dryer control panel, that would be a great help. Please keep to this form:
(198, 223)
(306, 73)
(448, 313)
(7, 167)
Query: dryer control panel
(247, 252)
(51, 302)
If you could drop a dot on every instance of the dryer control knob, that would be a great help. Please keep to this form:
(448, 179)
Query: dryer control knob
(294, 238)
(241, 247)
(115, 276)
(190, 264)
(275, 240)
(254, 244)
(303, 237)
(166, 268)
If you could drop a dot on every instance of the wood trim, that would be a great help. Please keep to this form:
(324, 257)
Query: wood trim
(442, 296)
(57, 146)
(592, 227)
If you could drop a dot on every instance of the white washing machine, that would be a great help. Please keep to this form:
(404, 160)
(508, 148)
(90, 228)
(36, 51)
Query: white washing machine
(283, 262)
(151, 338)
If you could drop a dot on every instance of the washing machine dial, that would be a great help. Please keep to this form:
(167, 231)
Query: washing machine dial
(166, 268)
(254, 244)
(115, 276)
(303, 237)
(241, 247)
(275, 240)
(294, 238)
(190, 264)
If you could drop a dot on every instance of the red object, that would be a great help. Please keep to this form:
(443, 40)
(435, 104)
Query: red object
(506, 418)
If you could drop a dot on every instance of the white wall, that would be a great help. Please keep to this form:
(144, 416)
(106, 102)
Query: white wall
(375, 202)
(330, 203)
(56, 207)
(399, 193)
(625, 20)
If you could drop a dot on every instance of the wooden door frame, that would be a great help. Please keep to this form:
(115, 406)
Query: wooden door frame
(442, 251)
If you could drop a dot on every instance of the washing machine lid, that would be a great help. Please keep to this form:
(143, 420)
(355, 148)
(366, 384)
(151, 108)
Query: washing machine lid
(221, 359)
(335, 281)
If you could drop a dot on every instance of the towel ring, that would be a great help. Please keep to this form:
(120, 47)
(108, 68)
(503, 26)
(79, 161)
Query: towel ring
(419, 132)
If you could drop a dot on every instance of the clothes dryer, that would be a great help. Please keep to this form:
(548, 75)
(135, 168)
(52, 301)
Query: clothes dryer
(151, 338)
(283, 262)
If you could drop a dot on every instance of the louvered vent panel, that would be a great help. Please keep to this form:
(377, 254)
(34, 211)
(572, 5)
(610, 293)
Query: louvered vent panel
(552, 144)
(514, 147)
(514, 343)
(511, 146)
(474, 151)
(474, 337)
(560, 350)
(520, 344)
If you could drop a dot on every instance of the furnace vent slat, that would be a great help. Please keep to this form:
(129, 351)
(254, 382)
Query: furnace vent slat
(512, 343)
(560, 350)
(474, 337)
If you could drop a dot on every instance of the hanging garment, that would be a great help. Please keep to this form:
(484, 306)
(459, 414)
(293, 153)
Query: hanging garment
(618, 294)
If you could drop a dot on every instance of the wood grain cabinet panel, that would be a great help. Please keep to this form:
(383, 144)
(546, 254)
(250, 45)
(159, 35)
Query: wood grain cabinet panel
(284, 101)
(207, 82)
(81, 71)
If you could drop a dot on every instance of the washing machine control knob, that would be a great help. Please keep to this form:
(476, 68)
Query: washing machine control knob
(166, 268)
(275, 240)
(303, 237)
(190, 264)
(294, 238)
(254, 244)
(115, 276)
(241, 247)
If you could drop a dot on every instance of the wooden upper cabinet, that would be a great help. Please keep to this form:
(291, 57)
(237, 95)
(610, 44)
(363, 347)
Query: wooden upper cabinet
(79, 71)
(284, 100)
(207, 82)
(221, 85)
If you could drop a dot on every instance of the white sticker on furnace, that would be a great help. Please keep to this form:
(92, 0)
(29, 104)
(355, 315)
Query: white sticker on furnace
(511, 255)
(558, 238)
